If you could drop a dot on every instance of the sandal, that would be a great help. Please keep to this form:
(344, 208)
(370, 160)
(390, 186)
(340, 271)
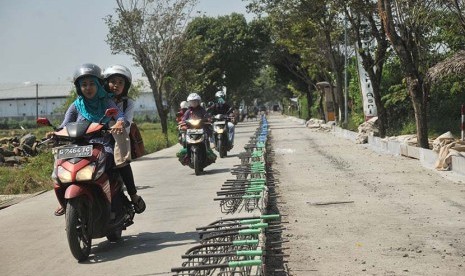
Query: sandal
(59, 211)
(139, 205)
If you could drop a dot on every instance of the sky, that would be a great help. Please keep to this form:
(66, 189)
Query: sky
(43, 41)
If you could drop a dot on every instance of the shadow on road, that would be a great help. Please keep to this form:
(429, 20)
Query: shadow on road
(144, 187)
(146, 158)
(141, 243)
(217, 171)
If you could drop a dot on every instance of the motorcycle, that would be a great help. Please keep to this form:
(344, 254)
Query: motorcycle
(221, 134)
(199, 155)
(93, 198)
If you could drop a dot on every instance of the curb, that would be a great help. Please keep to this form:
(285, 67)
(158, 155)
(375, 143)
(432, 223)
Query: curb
(426, 157)
(8, 200)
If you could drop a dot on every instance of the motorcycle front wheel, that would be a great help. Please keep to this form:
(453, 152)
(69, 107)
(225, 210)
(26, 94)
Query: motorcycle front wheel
(221, 148)
(197, 163)
(77, 229)
(115, 235)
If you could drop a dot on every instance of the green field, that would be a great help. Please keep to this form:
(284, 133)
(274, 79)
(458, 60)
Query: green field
(34, 176)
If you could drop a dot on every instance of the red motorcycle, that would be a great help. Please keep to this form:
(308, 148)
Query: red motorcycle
(92, 193)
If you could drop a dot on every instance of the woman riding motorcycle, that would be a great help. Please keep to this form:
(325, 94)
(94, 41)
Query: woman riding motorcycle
(90, 105)
(118, 80)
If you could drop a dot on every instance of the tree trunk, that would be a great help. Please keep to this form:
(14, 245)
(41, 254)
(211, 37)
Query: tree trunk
(309, 101)
(408, 53)
(382, 116)
(419, 105)
(339, 95)
(162, 112)
(157, 95)
(321, 107)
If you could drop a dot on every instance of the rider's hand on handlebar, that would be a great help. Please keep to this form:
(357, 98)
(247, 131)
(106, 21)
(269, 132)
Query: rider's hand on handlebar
(49, 135)
(117, 128)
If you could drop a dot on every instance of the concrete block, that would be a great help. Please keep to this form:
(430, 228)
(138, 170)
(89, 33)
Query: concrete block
(403, 149)
(370, 139)
(428, 157)
(394, 147)
(458, 164)
(383, 144)
(413, 152)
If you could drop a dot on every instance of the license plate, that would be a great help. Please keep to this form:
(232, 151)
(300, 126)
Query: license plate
(195, 131)
(72, 152)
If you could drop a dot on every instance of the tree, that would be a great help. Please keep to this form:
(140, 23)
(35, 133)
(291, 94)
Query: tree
(366, 25)
(152, 33)
(226, 52)
(312, 31)
(408, 26)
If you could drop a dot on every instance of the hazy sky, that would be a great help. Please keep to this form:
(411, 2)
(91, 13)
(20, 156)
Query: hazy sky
(44, 40)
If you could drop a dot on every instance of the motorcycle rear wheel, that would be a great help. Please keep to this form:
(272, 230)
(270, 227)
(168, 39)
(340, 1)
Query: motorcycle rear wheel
(79, 239)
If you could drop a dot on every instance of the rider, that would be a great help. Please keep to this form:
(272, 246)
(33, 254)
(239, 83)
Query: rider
(90, 105)
(196, 111)
(221, 107)
(183, 106)
(118, 80)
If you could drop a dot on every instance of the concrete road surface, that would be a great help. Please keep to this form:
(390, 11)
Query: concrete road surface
(33, 241)
(353, 211)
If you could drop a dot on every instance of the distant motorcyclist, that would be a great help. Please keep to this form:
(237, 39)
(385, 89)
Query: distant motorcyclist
(221, 107)
(196, 111)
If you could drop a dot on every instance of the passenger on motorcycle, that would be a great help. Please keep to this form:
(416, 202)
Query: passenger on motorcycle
(90, 105)
(221, 107)
(117, 80)
(183, 106)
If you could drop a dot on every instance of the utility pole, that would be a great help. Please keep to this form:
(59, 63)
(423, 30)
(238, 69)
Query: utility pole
(37, 101)
(346, 95)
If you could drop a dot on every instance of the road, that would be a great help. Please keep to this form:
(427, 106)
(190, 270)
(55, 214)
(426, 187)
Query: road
(353, 211)
(33, 241)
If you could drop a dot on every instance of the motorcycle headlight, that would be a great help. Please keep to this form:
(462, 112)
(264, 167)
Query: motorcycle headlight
(194, 122)
(85, 174)
(64, 175)
(219, 129)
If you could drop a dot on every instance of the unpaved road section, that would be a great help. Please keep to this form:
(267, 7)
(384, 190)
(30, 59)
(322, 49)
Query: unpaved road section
(353, 211)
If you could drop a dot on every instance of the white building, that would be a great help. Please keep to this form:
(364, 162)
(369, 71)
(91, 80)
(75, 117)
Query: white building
(26, 101)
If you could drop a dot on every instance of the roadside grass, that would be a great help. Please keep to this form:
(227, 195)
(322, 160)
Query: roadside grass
(29, 178)
(34, 176)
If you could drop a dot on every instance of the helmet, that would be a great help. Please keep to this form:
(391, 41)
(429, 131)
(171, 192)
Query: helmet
(121, 71)
(184, 104)
(220, 94)
(193, 97)
(85, 70)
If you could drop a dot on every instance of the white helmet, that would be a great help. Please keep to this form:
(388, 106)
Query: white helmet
(184, 104)
(193, 97)
(120, 70)
(220, 94)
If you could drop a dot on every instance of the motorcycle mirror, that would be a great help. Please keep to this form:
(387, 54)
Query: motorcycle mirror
(111, 112)
(43, 122)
